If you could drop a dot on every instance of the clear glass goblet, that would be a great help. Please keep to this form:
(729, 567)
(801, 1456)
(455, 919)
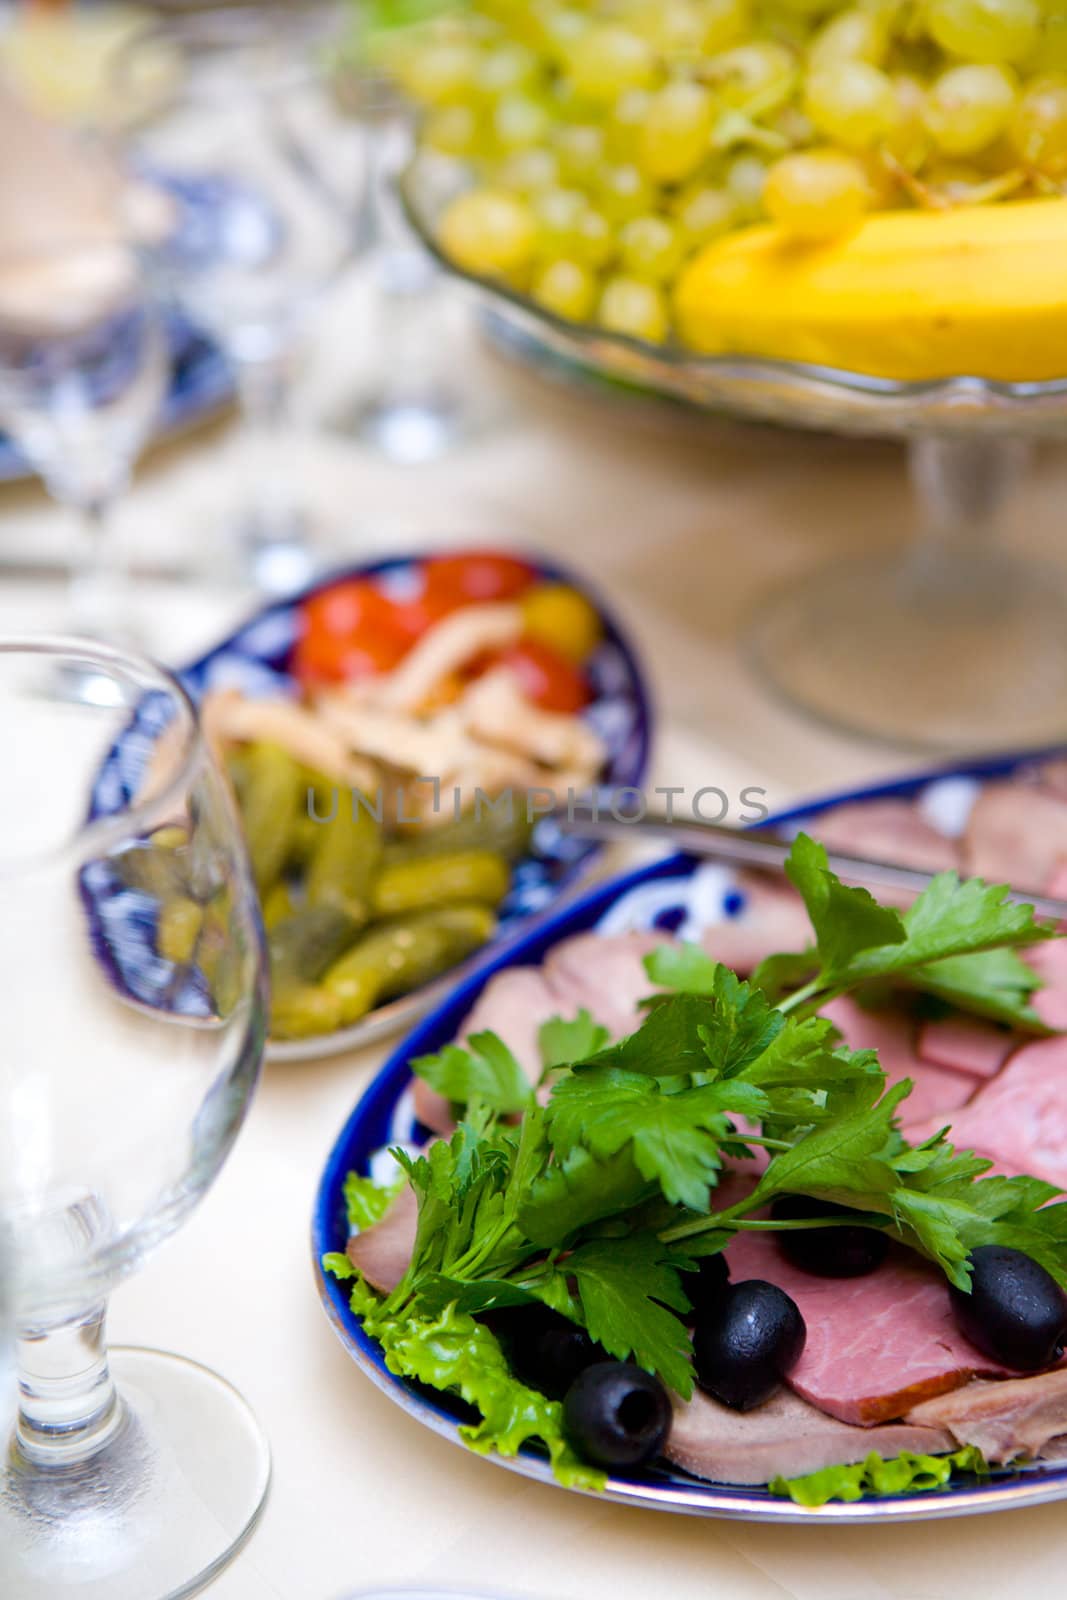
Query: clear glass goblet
(237, 122)
(135, 1016)
(84, 367)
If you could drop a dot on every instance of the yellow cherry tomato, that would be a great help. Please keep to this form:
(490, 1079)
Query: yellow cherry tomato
(559, 616)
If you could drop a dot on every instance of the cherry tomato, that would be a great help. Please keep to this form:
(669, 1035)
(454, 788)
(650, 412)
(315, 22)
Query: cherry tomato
(415, 617)
(347, 608)
(547, 678)
(321, 658)
(480, 576)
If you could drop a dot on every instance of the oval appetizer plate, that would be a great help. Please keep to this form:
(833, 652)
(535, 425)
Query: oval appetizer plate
(684, 897)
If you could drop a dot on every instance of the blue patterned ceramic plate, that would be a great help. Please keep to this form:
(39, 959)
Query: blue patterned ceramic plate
(201, 383)
(685, 896)
(255, 659)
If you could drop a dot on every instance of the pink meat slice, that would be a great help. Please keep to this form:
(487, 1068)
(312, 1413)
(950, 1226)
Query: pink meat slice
(1005, 1420)
(785, 1436)
(1021, 1116)
(1049, 961)
(513, 1004)
(383, 1251)
(771, 918)
(1016, 835)
(886, 830)
(604, 975)
(966, 1045)
(876, 1345)
(892, 1034)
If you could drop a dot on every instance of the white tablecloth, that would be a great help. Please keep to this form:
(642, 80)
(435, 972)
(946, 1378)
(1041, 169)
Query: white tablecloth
(683, 524)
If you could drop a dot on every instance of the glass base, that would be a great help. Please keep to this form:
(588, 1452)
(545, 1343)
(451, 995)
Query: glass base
(157, 1512)
(936, 653)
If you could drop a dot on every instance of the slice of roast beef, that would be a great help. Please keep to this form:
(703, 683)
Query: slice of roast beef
(602, 975)
(1049, 961)
(383, 1251)
(964, 1044)
(770, 917)
(892, 1034)
(1005, 1420)
(877, 1345)
(1016, 835)
(783, 1436)
(886, 830)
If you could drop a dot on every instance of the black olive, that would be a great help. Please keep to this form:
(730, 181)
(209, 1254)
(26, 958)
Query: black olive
(616, 1416)
(827, 1252)
(544, 1349)
(1016, 1312)
(751, 1341)
(704, 1287)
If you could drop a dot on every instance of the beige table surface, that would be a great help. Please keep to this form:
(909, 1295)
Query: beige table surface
(683, 525)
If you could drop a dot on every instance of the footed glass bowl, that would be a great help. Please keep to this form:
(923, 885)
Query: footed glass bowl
(954, 646)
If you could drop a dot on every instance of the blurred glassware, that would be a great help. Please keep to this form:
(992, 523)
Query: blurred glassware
(123, 1084)
(237, 122)
(84, 369)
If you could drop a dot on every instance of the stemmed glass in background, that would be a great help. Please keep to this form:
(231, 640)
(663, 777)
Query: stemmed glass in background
(84, 365)
(236, 120)
(134, 1017)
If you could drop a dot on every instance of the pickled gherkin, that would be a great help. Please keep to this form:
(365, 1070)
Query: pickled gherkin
(178, 928)
(506, 832)
(304, 945)
(304, 1010)
(429, 881)
(344, 861)
(401, 955)
(270, 804)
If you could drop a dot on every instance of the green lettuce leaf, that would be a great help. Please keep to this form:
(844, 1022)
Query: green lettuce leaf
(904, 1474)
(367, 1201)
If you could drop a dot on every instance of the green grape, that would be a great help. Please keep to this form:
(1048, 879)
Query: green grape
(623, 193)
(1050, 52)
(851, 36)
(908, 141)
(985, 30)
(605, 61)
(593, 242)
(636, 309)
(519, 121)
(651, 248)
(852, 103)
(489, 233)
(726, 22)
(671, 27)
(626, 126)
(674, 140)
(566, 288)
(704, 213)
(809, 8)
(1039, 127)
(817, 194)
(745, 180)
(969, 107)
(454, 130)
(749, 72)
(793, 125)
(557, 213)
(506, 70)
(526, 171)
(582, 151)
(558, 27)
(439, 73)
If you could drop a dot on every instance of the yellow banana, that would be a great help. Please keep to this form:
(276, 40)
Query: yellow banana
(980, 291)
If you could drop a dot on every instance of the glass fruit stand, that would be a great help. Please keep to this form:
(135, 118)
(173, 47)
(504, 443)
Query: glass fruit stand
(953, 644)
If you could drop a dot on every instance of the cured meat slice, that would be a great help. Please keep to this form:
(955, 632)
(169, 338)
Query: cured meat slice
(1049, 961)
(886, 830)
(770, 918)
(783, 1436)
(966, 1045)
(1004, 1420)
(877, 1345)
(1021, 1117)
(1016, 835)
(892, 1034)
(382, 1252)
(603, 975)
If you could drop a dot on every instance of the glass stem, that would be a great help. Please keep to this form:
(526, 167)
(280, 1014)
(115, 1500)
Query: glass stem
(963, 484)
(68, 1407)
(273, 535)
(97, 580)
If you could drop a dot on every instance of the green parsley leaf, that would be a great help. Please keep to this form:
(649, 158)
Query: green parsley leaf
(990, 983)
(846, 920)
(668, 1044)
(904, 1474)
(485, 1070)
(683, 968)
(846, 1159)
(578, 1191)
(951, 918)
(625, 1285)
(562, 1043)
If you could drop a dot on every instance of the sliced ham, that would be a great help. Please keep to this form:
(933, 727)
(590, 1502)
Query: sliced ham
(1016, 835)
(382, 1252)
(784, 1436)
(892, 1034)
(1004, 1420)
(1021, 1117)
(770, 918)
(1049, 961)
(604, 975)
(877, 1345)
(966, 1045)
(886, 830)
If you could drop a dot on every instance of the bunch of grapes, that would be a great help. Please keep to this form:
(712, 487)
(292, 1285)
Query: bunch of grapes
(608, 142)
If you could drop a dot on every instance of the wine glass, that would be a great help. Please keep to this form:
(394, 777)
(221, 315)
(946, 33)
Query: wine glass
(236, 121)
(135, 1014)
(84, 366)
